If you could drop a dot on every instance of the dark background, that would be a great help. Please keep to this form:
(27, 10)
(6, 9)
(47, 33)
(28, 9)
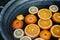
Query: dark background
(2, 3)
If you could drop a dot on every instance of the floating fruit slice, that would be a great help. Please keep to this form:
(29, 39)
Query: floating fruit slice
(44, 14)
(33, 10)
(45, 24)
(56, 17)
(32, 30)
(46, 39)
(17, 24)
(25, 38)
(39, 39)
(58, 38)
(45, 34)
(20, 17)
(55, 30)
(30, 19)
(18, 33)
(54, 8)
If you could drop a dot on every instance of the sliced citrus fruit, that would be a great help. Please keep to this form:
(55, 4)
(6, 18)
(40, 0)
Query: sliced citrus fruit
(17, 24)
(25, 38)
(54, 8)
(46, 39)
(30, 19)
(45, 24)
(32, 30)
(55, 30)
(44, 14)
(20, 17)
(39, 39)
(45, 34)
(56, 17)
(58, 38)
(33, 10)
(18, 33)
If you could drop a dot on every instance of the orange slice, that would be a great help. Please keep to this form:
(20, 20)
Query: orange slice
(58, 38)
(39, 39)
(44, 14)
(45, 34)
(30, 19)
(17, 24)
(45, 24)
(56, 17)
(55, 30)
(32, 30)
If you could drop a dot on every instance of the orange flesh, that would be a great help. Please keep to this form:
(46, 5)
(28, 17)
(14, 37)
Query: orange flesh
(29, 19)
(45, 13)
(56, 31)
(45, 23)
(45, 34)
(56, 17)
(17, 24)
(32, 30)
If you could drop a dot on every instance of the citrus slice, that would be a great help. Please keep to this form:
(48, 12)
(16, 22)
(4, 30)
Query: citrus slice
(30, 19)
(58, 38)
(17, 24)
(20, 17)
(32, 30)
(55, 30)
(25, 38)
(54, 8)
(45, 24)
(33, 10)
(46, 39)
(56, 17)
(45, 34)
(18, 33)
(44, 14)
(39, 39)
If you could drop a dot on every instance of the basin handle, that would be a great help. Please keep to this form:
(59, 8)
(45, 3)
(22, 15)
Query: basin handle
(1, 7)
(1, 33)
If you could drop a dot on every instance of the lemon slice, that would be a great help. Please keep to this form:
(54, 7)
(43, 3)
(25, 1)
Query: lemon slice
(55, 30)
(18, 33)
(32, 30)
(54, 8)
(25, 38)
(20, 17)
(39, 39)
(56, 17)
(45, 24)
(33, 10)
(44, 14)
